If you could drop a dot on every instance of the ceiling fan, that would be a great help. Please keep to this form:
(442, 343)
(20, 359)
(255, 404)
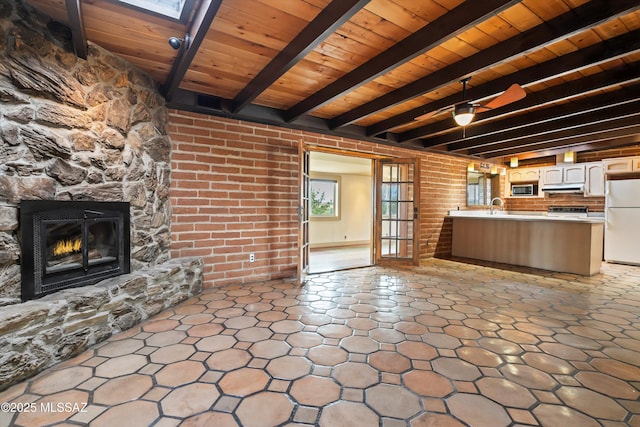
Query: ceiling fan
(464, 112)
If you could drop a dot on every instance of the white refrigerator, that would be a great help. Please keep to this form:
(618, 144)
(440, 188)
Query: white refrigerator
(622, 216)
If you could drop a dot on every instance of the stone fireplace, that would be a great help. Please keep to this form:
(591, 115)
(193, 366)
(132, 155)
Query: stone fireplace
(71, 244)
(85, 167)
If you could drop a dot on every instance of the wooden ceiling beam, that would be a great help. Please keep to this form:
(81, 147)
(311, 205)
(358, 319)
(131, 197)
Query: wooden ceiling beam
(594, 141)
(577, 20)
(76, 24)
(590, 56)
(550, 119)
(490, 125)
(327, 22)
(193, 39)
(623, 116)
(458, 20)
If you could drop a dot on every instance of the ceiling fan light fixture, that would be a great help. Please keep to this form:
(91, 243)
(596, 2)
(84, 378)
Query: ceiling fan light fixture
(463, 114)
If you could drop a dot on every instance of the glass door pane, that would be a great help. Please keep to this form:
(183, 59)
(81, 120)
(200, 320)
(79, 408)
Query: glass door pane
(396, 183)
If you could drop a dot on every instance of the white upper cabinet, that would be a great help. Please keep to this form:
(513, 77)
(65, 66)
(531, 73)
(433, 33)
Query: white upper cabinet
(594, 182)
(524, 175)
(552, 175)
(574, 174)
(621, 165)
(571, 174)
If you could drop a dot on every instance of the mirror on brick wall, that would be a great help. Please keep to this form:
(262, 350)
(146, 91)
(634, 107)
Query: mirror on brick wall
(482, 187)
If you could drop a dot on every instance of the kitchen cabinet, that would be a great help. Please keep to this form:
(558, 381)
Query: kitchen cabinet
(621, 165)
(572, 174)
(524, 175)
(594, 179)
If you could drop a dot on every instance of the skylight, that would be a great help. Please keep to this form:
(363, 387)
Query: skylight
(170, 8)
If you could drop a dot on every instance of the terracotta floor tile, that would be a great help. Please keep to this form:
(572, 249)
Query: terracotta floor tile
(358, 344)
(123, 389)
(289, 367)
(243, 382)
(121, 365)
(264, 409)
(358, 375)
(592, 403)
(506, 393)
(478, 411)
(388, 361)
(444, 344)
(350, 414)
(179, 373)
(61, 380)
(456, 369)
(131, 414)
(435, 420)
(479, 356)
(617, 369)
(172, 353)
(556, 415)
(327, 355)
(392, 401)
(189, 400)
(608, 385)
(427, 383)
(315, 391)
(547, 363)
(208, 419)
(528, 377)
(120, 347)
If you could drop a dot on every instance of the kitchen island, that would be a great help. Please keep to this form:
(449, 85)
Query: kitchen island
(564, 244)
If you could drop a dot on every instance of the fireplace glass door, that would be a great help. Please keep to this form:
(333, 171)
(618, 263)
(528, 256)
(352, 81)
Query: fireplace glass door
(70, 244)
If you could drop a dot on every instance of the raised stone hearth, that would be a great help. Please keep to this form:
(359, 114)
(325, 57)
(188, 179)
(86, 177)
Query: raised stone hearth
(39, 333)
(80, 130)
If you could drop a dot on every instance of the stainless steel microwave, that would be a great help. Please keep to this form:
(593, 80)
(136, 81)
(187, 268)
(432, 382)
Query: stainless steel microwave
(523, 190)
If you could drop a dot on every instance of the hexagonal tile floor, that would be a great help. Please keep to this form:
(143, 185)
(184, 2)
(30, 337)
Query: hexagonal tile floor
(445, 344)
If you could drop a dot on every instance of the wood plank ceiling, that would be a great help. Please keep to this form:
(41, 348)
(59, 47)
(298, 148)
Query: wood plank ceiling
(368, 68)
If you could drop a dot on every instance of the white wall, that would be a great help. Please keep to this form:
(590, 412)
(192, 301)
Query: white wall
(356, 212)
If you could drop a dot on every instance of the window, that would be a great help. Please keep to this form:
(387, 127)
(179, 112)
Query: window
(324, 197)
(170, 8)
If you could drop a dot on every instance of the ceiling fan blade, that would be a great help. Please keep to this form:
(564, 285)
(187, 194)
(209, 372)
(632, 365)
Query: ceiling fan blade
(513, 94)
(426, 115)
(430, 114)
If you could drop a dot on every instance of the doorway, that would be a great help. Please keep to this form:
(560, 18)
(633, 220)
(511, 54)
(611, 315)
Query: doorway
(341, 213)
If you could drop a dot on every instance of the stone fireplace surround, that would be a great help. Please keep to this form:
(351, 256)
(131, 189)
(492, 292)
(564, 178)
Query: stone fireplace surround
(77, 130)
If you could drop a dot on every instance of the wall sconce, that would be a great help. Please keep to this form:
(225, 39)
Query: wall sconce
(569, 156)
(493, 170)
(471, 167)
(513, 162)
(503, 171)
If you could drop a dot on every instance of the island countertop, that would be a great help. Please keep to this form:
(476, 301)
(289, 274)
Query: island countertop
(524, 216)
(564, 244)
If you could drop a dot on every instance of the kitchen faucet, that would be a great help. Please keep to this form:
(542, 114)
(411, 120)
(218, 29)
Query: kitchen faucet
(491, 204)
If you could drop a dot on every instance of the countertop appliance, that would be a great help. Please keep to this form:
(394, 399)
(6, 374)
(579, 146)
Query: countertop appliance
(622, 221)
(523, 190)
(568, 211)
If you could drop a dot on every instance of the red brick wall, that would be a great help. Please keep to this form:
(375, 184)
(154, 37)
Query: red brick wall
(234, 191)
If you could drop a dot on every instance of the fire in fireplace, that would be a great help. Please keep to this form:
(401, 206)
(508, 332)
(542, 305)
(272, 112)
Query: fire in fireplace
(69, 244)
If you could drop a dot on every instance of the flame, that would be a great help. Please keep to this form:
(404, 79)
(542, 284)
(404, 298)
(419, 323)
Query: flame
(64, 247)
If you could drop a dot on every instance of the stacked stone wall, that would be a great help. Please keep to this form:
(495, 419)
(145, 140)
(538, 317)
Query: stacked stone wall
(75, 129)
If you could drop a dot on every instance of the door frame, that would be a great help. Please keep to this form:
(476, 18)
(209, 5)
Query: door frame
(376, 159)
